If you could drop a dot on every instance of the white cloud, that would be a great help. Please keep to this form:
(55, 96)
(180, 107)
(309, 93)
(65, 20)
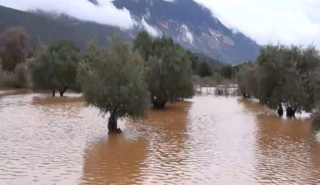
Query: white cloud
(105, 13)
(152, 31)
(187, 33)
(287, 21)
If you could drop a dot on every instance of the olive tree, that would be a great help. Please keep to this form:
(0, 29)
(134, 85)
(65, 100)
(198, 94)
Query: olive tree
(113, 81)
(298, 91)
(284, 76)
(168, 69)
(14, 47)
(143, 44)
(55, 67)
(194, 60)
(247, 80)
(169, 73)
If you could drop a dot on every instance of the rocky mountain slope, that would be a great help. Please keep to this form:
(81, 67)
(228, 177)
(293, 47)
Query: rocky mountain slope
(193, 26)
(187, 22)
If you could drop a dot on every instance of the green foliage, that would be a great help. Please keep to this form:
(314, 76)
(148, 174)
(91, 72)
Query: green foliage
(21, 75)
(283, 73)
(41, 69)
(217, 77)
(226, 71)
(55, 67)
(143, 44)
(18, 79)
(113, 80)
(204, 70)
(194, 60)
(168, 69)
(169, 72)
(14, 47)
(247, 80)
(8, 79)
(315, 83)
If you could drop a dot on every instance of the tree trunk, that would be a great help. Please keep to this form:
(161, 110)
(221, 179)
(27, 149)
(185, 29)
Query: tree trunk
(159, 104)
(113, 125)
(280, 110)
(291, 112)
(53, 92)
(245, 95)
(63, 91)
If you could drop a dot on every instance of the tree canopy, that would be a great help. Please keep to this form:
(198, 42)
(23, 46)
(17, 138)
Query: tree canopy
(168, 69)
(282, 74)
(14, 47)
(113, 81)
(143, 44)
(226, 71)
(55, 67)
(194, 60)
(204, 69)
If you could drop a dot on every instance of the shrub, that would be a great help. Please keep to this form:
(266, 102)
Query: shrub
(17, 79)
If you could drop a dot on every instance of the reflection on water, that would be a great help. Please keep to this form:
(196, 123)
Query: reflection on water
(113, 160)
(208, 140)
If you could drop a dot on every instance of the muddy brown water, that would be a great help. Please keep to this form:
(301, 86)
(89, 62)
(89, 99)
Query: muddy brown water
(208, 140)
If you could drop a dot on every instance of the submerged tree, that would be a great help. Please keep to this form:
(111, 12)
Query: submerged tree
(113, 81)
(55, 67)
(168, 69)
(169, 73)
(283, 76)
(247, 80)
(14, 47)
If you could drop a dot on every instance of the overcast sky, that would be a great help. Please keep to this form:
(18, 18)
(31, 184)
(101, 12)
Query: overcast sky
(287, 21)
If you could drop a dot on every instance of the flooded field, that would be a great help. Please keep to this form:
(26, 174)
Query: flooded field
(207, 140)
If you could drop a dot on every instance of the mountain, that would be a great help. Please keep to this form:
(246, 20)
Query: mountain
(188, 23)
(62, 27)
(48, 27)
(193, 26)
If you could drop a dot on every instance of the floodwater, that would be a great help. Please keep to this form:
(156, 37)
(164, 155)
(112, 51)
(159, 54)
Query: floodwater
(208, 140)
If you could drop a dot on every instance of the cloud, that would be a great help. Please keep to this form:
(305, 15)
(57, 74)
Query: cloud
(152, 31)
(187, 34)
(287, 21)
(105, 13)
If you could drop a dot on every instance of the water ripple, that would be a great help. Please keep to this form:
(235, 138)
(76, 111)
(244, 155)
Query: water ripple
(208, 140)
